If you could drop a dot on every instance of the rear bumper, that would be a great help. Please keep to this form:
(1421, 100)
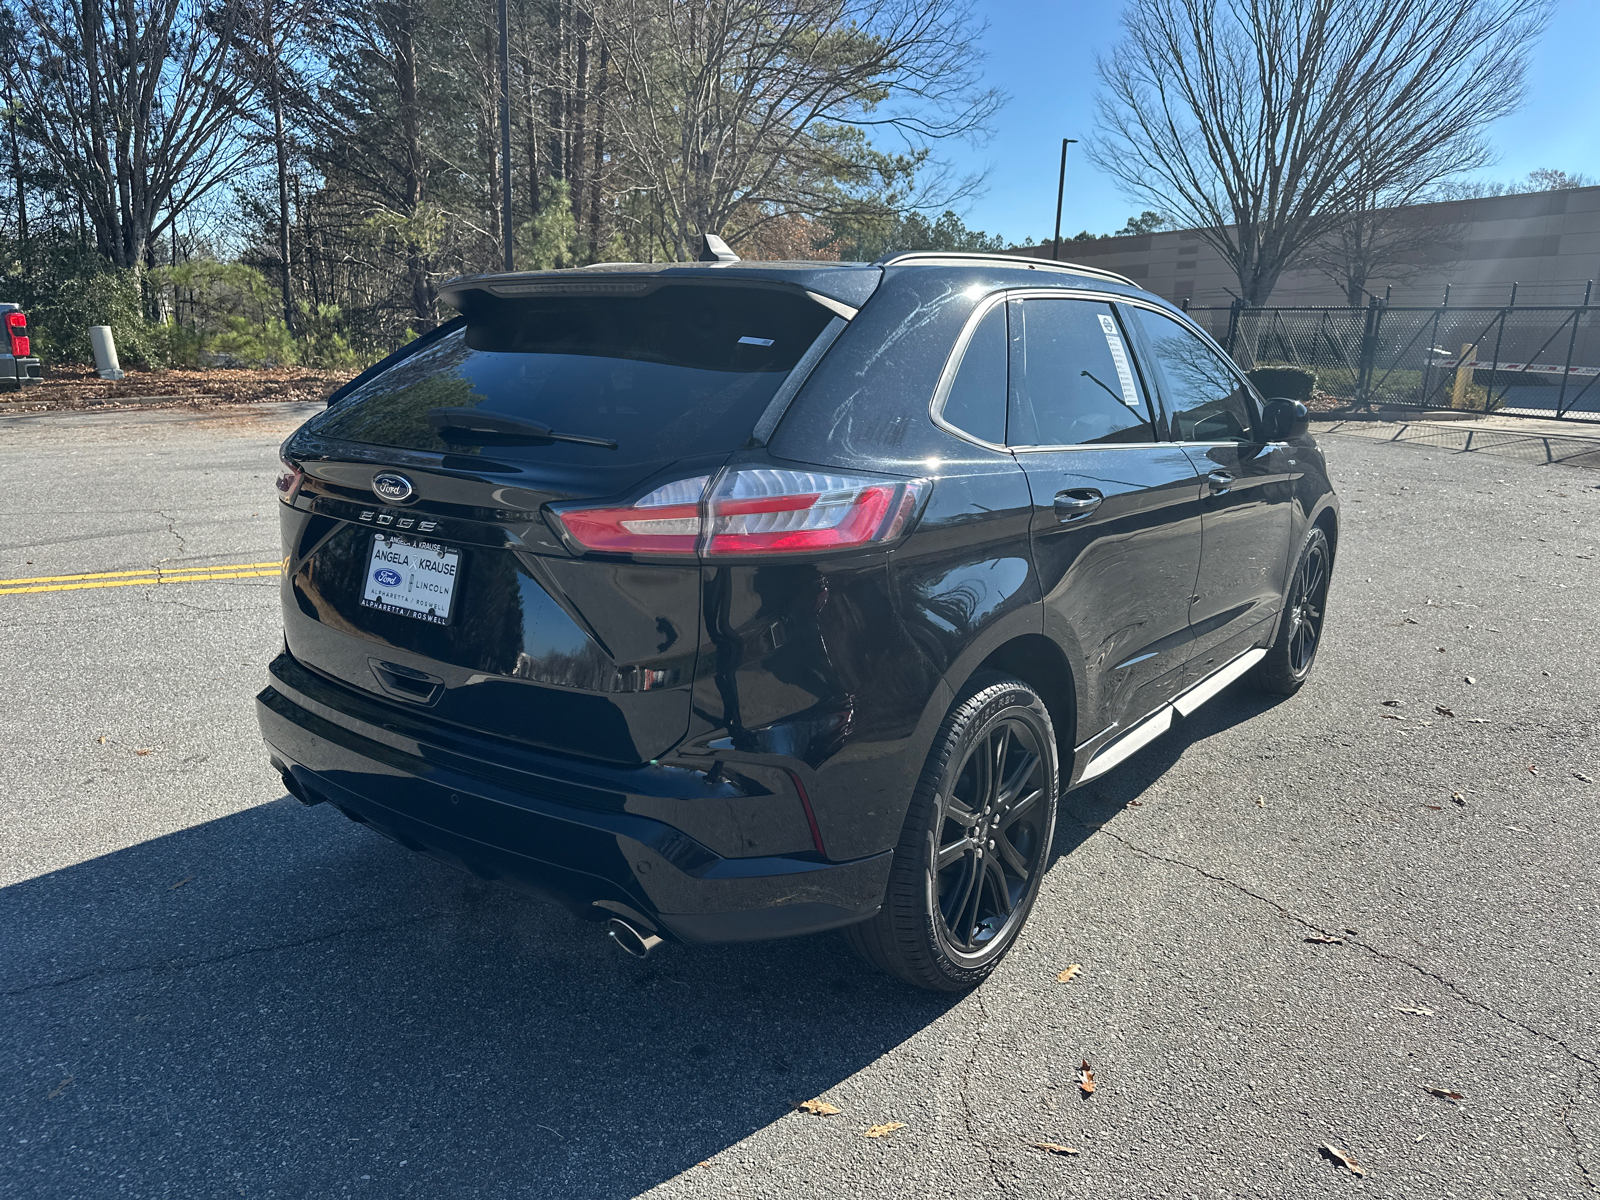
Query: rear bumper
(500, 822)
(19, 373)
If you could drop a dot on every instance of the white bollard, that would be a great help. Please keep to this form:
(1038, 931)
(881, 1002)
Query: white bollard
(105, 352)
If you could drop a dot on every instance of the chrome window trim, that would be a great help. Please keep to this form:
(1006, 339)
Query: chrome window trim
(1183, 321)
(952, 365)
(1108, 299)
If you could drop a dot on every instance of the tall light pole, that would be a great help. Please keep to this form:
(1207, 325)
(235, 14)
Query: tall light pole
(505, 135)
(1061, 190)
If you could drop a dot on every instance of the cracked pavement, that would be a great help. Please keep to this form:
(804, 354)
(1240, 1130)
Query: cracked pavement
(207, 990)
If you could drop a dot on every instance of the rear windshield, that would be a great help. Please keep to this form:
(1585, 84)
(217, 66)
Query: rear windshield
(682, 370)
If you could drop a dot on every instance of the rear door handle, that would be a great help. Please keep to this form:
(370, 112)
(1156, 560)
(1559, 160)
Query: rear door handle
(1076, 503)
(1220, 482)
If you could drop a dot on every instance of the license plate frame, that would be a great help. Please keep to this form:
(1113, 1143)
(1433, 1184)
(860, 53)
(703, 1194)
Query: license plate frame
(401, 561)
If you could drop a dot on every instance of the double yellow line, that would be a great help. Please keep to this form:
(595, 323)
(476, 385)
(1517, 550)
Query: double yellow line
(155, 575)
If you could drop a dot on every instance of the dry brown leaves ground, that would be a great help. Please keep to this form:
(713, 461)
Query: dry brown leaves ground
(80, 387)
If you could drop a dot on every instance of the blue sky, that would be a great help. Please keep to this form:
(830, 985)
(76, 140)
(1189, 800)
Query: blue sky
(1042, 55)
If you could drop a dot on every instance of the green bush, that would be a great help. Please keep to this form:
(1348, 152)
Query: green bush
(1285, 382)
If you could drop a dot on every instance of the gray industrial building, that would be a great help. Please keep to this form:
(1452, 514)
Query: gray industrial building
(1545, 243)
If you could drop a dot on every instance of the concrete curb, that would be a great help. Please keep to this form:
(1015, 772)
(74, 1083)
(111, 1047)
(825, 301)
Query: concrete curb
(1543, 449)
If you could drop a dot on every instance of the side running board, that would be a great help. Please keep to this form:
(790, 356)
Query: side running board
(1158, 722)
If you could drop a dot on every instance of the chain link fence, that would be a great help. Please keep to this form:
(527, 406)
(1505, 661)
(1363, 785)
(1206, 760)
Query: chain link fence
(1531, 360)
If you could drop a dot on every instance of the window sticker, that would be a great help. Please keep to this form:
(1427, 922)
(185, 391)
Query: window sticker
(750, 341)
(1130, 394)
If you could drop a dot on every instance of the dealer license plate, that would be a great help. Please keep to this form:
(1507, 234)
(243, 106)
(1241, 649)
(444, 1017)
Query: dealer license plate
(414, 579)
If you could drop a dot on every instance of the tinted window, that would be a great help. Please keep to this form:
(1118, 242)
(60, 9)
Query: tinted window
(1204, 395)
(682, 370)
(977, 400)
(1072, 382)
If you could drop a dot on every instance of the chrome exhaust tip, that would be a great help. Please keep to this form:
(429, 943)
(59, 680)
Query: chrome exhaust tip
(629, 939)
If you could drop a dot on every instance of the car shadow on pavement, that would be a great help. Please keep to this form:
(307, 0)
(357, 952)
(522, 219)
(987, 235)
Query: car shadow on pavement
(1084, 811)
(280, 1003)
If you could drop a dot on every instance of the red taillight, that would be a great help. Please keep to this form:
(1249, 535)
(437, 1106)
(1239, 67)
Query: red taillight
(667, 521)
(752, 510)
(288, 482)
(16, 322)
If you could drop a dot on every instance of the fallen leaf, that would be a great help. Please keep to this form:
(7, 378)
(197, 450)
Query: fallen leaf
(1260, 802)
(1458, 798)
(59, 1088)
(1477, 720)
(1470, 679)
(180, 883)
(1442, 710)
(1342, 1158)
(818, 1108)
(1086, 1079)
(1416, 1012)
(1444, 1093)
(1390, 703)
(142, 753)
(1434, 807)
(102, 739)
(704, 1163)
(1411, 621)
(1325, 939)
(1135, 804)
(1582, 776)
(1053, 1148)
(1068, 975)
(878, 1131)
(1391, 716)
(1532, 770)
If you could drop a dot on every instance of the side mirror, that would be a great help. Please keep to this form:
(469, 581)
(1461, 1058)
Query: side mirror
(1286, 420)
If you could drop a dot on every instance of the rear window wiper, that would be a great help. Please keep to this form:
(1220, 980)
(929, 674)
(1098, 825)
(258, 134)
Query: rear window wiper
(473, 426)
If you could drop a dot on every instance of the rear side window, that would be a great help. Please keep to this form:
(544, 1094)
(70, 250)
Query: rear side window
(977, 400)
(1205, 398)
(1072, 382)
(681, 370)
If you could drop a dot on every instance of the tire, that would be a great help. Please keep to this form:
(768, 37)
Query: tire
(935, 929)
(1294, 650)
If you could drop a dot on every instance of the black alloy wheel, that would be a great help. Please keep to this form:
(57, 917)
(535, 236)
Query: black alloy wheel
(1305, 610)
(976, 842)
(1308, 602)
(990, 842)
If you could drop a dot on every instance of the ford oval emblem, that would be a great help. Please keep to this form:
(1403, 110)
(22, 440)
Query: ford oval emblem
(391, 487)
(387, 577)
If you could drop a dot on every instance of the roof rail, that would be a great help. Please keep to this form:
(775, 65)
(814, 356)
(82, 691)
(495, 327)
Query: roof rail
(895, 259)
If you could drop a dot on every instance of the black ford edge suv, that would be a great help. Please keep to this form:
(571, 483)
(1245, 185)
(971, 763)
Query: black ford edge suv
(738, 600)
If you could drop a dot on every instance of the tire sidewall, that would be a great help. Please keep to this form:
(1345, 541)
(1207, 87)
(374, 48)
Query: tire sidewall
(967, 727)
(1317, 536)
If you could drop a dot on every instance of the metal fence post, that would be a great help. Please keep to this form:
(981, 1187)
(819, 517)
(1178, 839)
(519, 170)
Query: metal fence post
(1494, 364)
(1368, 353)
(1572, 343)
(1234, 311)
(1427, 361)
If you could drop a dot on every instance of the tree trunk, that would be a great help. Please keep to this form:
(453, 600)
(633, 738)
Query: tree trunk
(580, 116)
(423, 302)
(22, 197)
(280, 145)
(597, 176)
(558, 100)
(532, 92)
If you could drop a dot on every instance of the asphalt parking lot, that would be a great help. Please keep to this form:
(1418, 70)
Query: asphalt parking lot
(1292, 919)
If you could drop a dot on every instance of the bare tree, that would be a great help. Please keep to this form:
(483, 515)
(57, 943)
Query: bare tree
(136, 102)
(757, 109)
(271, 34)
(1387, 233)
(1264, 123)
